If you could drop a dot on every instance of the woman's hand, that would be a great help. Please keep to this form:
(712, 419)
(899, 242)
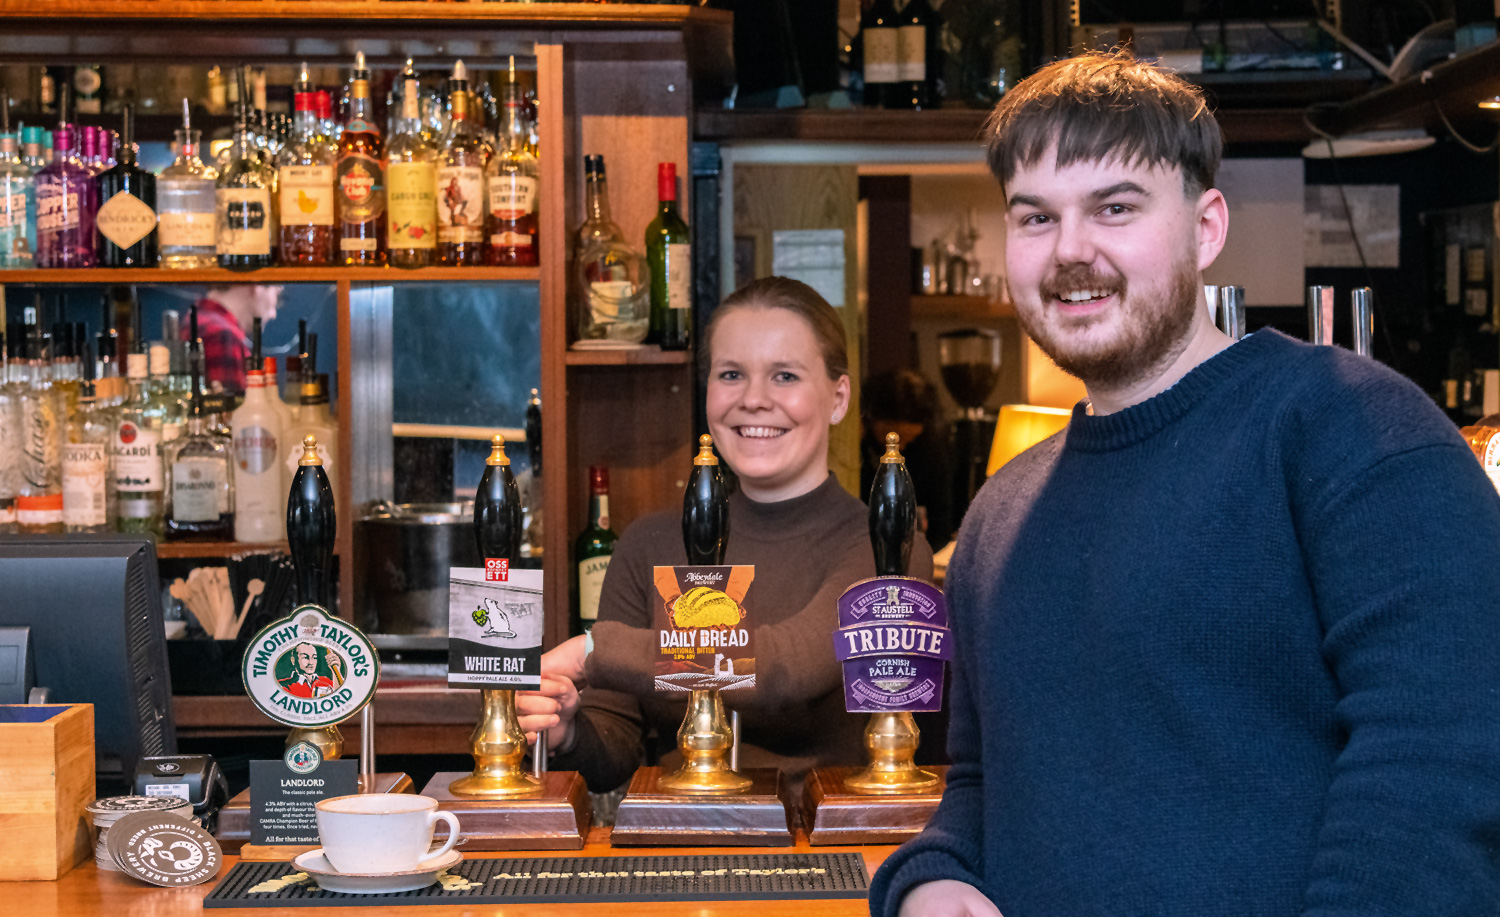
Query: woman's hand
(947, 898)
(553, 710)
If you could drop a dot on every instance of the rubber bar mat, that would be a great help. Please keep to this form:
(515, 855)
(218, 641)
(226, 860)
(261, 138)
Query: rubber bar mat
(709, 877)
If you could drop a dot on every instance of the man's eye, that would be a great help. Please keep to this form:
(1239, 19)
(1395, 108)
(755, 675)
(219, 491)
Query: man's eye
(1035, 219)
(1116, 210)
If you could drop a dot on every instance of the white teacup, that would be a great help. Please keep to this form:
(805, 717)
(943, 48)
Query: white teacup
(381, 833)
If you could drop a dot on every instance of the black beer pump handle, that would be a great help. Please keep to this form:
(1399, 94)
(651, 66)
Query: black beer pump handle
(893, 511)
(497, 507)
(311, 526)
(705, 509)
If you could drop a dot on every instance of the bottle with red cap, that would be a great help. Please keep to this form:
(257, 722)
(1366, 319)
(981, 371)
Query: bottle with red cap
(304, 170)
(591, 553)
(669, 254)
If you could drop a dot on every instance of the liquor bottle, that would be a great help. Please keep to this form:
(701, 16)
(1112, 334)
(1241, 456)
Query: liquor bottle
(313, 417)
(164, 393)
(411, 182)
(66, 368)
(305, 169)
(39, 495)
(497, 508)
(257, 427)
(361, 181)
(917, 57)
(139, 476)
(705, 508)
(88, 149)
(893, 511)
(669, 253)
(592, 552)
(597, 226)
(66, 202)
(31, 149)
(185, 204)
(533, 515)
(200, 485)
(88, 86)
(311, 526)
(88, 478)
(880, 40)
(17, 202)
(12, 353)
(460, 180)
(127, 209)
(511, 181)
(244, 219)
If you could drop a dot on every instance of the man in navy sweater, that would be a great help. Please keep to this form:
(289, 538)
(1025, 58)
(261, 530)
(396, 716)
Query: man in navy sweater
(1230, 643)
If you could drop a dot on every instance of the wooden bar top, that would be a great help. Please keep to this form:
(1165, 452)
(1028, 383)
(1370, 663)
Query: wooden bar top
(89, 891)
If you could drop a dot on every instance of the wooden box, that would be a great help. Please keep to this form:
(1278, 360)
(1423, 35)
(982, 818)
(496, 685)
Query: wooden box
(46, 779)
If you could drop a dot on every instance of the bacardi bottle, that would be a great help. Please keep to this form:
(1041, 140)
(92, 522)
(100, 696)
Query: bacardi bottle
(139, 476)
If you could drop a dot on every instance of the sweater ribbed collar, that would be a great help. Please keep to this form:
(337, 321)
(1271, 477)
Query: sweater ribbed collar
(783, 518)
(1088, 433)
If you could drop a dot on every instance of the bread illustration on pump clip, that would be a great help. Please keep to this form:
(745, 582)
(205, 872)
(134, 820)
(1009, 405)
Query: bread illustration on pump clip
(705, 607)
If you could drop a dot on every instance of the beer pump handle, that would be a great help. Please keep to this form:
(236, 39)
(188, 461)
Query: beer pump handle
(893, 511)
(311, 525)
(497, 507)
(705, 509)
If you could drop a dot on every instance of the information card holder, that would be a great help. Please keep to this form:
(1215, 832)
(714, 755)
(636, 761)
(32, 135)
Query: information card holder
(310, 671)
(893, 643)
(495, 644)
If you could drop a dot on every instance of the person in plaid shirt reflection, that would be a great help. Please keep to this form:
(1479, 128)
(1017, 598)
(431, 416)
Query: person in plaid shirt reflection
(225, 315)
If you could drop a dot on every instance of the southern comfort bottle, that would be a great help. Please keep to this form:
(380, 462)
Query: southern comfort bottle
(361, 177)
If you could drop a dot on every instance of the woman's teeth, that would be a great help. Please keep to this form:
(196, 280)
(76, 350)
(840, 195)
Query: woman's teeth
(760, 432)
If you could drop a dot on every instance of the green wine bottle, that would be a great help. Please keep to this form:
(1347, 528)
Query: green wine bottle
(591, 553)
(670, 255)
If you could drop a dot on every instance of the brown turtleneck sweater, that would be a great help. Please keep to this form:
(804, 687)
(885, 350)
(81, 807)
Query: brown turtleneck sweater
(806, 552)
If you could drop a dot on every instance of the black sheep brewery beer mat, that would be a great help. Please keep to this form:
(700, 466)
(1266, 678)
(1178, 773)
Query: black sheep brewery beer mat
(575, 880)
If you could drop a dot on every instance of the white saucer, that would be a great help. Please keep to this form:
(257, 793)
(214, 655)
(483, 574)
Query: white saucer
(329, 879)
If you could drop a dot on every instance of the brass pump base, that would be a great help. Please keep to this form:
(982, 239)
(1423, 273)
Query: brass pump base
(704, 740)
(891, 740)
(326, 739)
(498, 746)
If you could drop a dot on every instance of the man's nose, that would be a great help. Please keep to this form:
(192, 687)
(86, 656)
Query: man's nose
(1075, 244)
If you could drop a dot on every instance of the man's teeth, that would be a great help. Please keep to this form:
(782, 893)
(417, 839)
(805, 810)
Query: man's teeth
(1082, 295)
(761, 432)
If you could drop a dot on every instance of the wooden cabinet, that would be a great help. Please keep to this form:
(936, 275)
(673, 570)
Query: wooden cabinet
(618, 80)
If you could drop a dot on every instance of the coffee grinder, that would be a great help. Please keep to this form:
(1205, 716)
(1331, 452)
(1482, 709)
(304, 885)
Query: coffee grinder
(969, 362)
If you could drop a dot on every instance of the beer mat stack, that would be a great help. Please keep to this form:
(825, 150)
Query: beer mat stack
(573, 880)
(153, 839)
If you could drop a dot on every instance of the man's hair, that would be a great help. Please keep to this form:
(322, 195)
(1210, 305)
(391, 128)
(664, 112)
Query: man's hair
(1106, 105)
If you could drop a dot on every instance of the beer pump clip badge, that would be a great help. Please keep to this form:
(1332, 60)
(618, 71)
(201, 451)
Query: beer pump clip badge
(310, 669)
(893, 642)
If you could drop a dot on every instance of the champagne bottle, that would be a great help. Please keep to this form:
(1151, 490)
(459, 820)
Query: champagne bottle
(592, 552)
(893, 511)
(497, 508)
(361, 179)
(670, 255)
(411, 177)
(310, 528)
(705, 508)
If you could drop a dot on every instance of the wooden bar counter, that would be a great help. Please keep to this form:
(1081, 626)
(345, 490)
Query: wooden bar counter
(88, 891)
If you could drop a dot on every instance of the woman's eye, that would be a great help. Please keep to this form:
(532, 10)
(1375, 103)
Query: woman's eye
(785, 376)
(729, 375)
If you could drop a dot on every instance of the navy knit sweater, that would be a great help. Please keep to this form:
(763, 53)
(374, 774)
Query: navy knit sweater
(1232, 651)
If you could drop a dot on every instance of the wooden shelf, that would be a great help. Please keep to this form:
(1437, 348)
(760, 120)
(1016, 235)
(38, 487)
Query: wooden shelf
(612, 16)
(175, 550)
(147, 275)
(973, 308)
(648, 355)
(1456, 85)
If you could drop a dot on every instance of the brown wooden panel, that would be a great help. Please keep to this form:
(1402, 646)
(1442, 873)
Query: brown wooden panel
(553, 253)
(770, 198)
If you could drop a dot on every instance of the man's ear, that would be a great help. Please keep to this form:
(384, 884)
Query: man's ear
(1213, 226)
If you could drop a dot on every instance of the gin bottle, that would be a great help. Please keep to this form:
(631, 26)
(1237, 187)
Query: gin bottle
(185, 204)
(200, 488)
(17, 202)
(39, 497)
(66, 201)
(127, 208)
(139, 476)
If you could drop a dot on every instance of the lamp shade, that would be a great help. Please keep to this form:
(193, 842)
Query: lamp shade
(1020, 427)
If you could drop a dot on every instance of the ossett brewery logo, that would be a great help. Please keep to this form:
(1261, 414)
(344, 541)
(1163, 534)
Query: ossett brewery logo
(497, 570)
(302, 758)
(310, 669)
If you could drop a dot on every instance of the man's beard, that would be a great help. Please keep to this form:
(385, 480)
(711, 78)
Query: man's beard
(1148, 338)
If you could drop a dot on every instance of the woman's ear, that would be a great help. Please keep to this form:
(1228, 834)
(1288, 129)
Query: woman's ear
(840, 400)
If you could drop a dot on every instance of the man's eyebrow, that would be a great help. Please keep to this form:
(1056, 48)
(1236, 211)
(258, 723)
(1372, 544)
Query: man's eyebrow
(1025, 200)
(1124, 187)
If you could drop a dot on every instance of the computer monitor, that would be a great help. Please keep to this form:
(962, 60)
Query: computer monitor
(93, 603)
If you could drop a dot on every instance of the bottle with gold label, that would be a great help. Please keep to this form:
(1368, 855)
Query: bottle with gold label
(185, 204)
(304, 176)
(411, 182)
(512, 178)
(460, 179)
(360, 192)
(127, 211)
